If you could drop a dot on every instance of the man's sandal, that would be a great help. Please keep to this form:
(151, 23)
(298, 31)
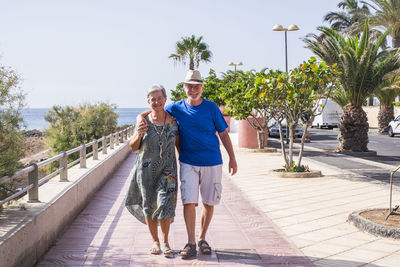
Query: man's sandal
(155, 248)
(204, 247)
(189, 251)
(168, 252)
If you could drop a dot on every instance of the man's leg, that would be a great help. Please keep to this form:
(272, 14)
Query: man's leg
(189, 213)
(190, 194)
(210, 189)
(206, 217)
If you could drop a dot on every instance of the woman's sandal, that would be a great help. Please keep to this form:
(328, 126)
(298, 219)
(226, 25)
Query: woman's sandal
(204, 247)
(155, 248)
(166, 249)
(189, 251)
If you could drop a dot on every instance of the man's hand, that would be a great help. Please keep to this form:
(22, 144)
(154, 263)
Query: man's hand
(141, 123)
(232, 166)
(142, 126)
(226, 141)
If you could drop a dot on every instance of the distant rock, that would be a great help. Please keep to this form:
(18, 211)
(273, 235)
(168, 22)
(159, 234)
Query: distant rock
(33, 133)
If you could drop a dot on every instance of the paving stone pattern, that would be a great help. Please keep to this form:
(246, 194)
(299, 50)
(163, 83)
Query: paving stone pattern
(106, 234)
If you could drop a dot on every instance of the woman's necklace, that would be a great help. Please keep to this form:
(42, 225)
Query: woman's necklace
(160, 143)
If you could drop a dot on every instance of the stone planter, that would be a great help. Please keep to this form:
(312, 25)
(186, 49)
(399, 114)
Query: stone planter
(247, 136)
(258, 150)
(372, 227)
(282, 174)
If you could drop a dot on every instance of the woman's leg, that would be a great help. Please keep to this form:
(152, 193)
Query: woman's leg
(165, 230)
(166, 249)
(153, 228)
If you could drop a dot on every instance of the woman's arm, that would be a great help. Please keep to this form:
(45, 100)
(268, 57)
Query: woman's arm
(141, 128)
(136, 141)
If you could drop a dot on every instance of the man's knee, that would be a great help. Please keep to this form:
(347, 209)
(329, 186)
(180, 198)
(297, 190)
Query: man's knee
(208, 206)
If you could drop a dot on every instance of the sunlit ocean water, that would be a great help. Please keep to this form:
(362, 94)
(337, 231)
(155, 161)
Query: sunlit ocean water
(34, 117)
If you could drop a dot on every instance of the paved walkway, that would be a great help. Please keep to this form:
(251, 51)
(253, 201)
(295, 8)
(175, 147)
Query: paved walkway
(106, 234)
(313, 212)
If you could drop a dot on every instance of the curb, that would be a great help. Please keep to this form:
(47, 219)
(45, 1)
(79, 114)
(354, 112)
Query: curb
(258, 150)
(310, 174)
(371, 227)
(357, 154)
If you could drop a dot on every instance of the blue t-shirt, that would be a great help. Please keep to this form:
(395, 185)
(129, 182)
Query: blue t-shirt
(197, 130)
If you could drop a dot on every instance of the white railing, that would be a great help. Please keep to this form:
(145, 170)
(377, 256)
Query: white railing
(33, 170)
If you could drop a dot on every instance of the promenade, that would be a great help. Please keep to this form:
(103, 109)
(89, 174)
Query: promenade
(262, 221)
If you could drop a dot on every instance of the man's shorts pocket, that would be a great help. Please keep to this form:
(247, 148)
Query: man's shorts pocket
(218, 192)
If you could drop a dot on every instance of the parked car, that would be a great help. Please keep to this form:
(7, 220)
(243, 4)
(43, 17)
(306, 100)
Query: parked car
(330, 114)
(274, 131)
(394, 127)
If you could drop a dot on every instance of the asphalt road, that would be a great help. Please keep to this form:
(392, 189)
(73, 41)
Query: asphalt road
(375, 167)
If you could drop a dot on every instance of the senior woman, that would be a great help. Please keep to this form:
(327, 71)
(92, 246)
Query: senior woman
(152, 193)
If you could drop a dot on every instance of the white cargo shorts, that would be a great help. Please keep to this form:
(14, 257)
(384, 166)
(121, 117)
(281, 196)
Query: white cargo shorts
(207, 179)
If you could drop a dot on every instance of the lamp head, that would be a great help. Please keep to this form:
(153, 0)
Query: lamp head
(293, 27)
(278, 27)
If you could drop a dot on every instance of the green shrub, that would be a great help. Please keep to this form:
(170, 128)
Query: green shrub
(11, 104)
(74, 126)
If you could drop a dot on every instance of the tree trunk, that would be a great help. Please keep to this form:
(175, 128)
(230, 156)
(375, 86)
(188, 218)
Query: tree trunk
(291, 142)
(283, 147)
(303, 138)
(191, 64)
(385, 115)
(261, 139)
(353, 125)
(396, 41)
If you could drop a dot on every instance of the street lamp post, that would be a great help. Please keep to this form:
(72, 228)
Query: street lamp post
(235, 64)
(291, 28)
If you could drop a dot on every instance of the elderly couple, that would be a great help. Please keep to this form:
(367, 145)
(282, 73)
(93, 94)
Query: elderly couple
(191, 126)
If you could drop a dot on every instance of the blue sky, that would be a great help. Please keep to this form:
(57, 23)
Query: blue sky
(76, 51)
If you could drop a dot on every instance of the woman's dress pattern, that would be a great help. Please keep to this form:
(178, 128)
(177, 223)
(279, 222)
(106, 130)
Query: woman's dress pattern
(153, 189)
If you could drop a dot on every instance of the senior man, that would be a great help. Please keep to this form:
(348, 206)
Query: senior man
(200, 158)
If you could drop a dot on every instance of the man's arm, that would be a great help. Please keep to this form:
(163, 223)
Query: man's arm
(178, 144)
(141, 116)
(226, 141)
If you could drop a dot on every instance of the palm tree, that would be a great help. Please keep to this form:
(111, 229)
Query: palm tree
(387, 14)
(363, 66)
(386, 94)
(192, 49)
(352, 14)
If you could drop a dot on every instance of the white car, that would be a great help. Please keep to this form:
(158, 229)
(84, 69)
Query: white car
(274, 131)
(394, 127)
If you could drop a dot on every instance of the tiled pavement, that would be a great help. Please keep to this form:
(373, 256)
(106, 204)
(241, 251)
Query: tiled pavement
(106, 234)
(313, 212)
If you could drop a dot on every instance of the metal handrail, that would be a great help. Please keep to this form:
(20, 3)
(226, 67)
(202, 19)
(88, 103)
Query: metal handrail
(391, 210)
(32, 170)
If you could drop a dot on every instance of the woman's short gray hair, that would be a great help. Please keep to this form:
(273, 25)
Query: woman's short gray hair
(157, 88)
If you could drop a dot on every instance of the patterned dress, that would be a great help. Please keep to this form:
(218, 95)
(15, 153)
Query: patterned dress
(153, 188)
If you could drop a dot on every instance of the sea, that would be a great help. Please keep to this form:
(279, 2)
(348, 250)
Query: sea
(34, 117)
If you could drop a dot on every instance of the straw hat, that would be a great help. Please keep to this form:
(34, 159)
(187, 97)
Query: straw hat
(193, 77)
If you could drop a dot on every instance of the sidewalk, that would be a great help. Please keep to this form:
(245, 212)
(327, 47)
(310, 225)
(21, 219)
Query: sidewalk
(262, 221)
(313, 212)
(106, 234)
